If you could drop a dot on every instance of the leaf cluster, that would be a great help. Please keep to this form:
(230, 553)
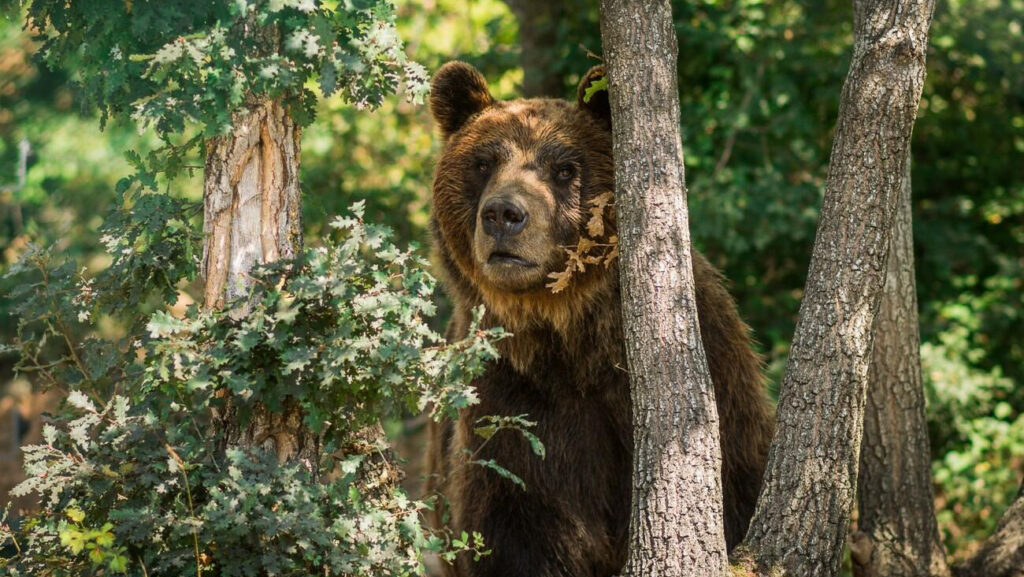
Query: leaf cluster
(134, 477)
(176, 62)
(590, 250)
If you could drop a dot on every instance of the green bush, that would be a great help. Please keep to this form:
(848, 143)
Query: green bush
(140, 481)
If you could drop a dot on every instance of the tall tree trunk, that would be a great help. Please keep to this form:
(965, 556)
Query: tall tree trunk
(252, 216)
(1002, 555)
(676, 523)
(538, 38)
(898, 535)
(804, 510)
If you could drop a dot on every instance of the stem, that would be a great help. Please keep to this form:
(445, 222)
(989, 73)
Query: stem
(191, 510)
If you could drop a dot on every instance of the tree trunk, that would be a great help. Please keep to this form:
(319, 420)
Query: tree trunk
(803, 513)
(1002, 555)
(538, 38)
(252, 216)
(251, 200)
(676, 523)
(898, 535)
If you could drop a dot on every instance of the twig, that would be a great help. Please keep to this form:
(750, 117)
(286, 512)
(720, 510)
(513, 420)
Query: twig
(191, 510)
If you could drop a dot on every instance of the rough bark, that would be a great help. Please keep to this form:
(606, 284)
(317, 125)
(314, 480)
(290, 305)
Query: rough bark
(252, 216)
(898, 535)
(538, 38)
(1002, 555)
(810, 482)
(675, 525)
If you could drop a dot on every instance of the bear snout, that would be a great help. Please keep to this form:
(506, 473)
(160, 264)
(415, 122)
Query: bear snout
(503, 217)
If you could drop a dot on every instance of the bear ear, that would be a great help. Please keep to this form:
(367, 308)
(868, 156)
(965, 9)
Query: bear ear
(457, 92)
(598, 103)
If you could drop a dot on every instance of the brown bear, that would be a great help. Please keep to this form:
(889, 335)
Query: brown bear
(513, 189)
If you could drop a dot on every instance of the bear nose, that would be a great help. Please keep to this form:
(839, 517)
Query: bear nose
(502, 217)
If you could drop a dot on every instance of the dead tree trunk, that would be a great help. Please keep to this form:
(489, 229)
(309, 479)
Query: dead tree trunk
(538, 37)
(804, 510)
(898, 535)
(676, 522)
(252, 216)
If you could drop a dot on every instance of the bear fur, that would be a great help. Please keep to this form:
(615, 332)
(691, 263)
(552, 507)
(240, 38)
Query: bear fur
(511, 191)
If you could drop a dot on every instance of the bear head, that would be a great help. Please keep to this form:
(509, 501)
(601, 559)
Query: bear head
(515, 187)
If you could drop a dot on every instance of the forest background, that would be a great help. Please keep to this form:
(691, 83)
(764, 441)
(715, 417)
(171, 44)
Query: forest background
(759, 86)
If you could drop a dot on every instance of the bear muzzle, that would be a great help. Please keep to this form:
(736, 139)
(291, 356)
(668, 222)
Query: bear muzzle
(503, 217)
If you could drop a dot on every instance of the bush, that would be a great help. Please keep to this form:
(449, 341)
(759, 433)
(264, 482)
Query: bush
(135, 478)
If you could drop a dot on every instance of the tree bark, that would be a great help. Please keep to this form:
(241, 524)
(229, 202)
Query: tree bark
(252, 216)
(676, 523)
(1002, 555)
(538, 39)
(251, 200)
(898, 535)
(803, 513)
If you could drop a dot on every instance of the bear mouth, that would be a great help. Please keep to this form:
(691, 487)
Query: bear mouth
(506, 258)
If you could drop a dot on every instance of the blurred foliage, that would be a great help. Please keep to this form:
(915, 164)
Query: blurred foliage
(759, 86)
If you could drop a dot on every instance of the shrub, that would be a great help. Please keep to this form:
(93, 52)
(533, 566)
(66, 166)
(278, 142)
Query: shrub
(133, 476)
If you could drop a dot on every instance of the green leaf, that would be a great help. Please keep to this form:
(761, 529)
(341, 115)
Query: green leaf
(118, 563)
(162, 324)
(599, 85)
(502, 471)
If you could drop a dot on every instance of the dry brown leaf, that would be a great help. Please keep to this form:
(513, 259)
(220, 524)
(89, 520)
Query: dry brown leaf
(560, 280)
(584, 253)
(595, 226)
(584, 245)
(611, 256)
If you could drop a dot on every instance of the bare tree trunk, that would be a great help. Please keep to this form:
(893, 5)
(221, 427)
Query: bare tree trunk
(251, 200)
(1002, 555)
(676, 523)
(898, 535)
(538, 37)
(804, 510)
(252, 216)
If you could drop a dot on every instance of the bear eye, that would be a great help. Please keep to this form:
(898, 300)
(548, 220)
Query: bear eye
(564, 173)
(483, 167)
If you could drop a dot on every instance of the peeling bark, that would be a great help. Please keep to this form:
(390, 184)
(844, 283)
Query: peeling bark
(898, 535)
(251, 200)
(676, 522)
(804, 510)
(252, 216)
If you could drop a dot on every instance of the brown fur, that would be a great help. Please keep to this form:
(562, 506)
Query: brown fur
(565, 364)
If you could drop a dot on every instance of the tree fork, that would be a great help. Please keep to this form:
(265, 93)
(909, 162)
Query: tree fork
(676, 521)
(803, 514)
